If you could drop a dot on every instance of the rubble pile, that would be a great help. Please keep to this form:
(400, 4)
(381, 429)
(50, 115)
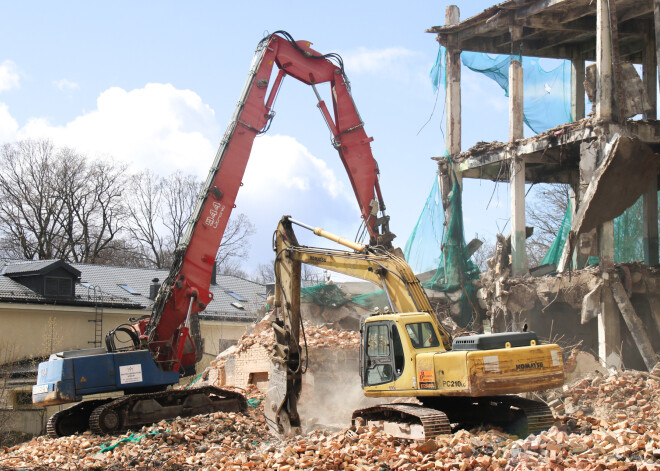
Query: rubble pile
(596, 437)
(630, 395)
(317, 337)
(231, 441)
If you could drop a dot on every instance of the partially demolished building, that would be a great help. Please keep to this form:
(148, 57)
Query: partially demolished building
(608, 158)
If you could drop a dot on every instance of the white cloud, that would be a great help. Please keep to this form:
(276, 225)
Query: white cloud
(365, 60)
(65, 85)
(163, 128)
(9, 76)
(157, 127)
(8, 125)
(280, 163)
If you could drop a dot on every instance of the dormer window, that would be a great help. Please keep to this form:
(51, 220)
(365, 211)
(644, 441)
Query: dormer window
(58, 287)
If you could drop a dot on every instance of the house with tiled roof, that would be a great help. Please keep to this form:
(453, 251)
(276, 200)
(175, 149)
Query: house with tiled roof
(47, 306)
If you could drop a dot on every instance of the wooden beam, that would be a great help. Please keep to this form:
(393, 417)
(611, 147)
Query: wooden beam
(635, 325)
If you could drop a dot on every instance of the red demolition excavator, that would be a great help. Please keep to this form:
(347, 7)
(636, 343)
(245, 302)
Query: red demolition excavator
(165, 344)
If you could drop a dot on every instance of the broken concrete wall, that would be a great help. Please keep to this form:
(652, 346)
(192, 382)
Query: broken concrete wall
(566, 308)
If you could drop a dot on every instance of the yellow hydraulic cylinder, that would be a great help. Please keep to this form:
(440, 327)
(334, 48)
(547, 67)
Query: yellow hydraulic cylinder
(330, 236)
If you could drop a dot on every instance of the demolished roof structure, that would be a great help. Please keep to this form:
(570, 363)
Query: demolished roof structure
(608, 159)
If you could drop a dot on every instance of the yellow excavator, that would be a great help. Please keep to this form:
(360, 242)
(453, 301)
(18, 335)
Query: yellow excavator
(405, 352)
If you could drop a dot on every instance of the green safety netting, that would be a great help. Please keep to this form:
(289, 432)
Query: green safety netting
(432, 247)
(108, 446)
(455, 271)
(324, 295)
(546, 93)
(628, 236)
(554, 252)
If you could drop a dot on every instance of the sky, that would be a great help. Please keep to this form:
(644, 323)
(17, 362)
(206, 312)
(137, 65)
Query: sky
(154, 84)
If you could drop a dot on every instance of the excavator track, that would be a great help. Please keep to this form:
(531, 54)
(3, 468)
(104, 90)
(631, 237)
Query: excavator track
(440, 415)
(405, 420)
(514, 414)
(135, 410)
(75, 419)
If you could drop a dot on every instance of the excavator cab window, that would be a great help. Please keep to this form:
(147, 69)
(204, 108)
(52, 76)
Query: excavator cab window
(385, 359)
(380, 362)
(422, 335)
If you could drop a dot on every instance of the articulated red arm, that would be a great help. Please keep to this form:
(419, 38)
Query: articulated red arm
(186, 290)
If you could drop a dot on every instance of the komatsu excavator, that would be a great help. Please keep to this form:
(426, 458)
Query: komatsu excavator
(406, 352)
(165, 344)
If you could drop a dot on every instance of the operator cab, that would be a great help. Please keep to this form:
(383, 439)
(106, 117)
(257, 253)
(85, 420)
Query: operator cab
(386, 338)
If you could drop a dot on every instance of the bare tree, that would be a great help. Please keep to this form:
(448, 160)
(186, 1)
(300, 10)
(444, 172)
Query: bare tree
(180, 194)
(265, 273)
(94, 212)
(232, 268)
(30, 210)
(545, 212)
(235, 242)
(145, 196)
(483, 254)
(57, 204)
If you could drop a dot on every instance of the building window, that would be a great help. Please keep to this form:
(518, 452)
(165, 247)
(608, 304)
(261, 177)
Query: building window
(23, 400)
(128, 289)
(238, 306)
(236, 296)
(55, 286)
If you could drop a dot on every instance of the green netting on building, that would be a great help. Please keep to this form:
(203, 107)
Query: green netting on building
(628, 236)
(455, 271)
(554, 252)
(546, 93)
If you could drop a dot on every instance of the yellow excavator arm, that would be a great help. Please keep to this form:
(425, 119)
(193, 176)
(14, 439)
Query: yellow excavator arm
(386, 270)
(405, 351)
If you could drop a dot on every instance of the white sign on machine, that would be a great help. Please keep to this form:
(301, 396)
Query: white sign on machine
(130, 374)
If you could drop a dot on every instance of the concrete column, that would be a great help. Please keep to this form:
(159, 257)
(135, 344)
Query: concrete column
(577, 87)
(606, 230)
(604, 79)
(518, 244)
(453, 96)
(606, 245)
(609, 333)
(515, 101)
(650, 238)
(517, 172)
(650, 74)
(656, 23)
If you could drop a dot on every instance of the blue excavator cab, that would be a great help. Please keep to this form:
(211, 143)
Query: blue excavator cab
(68, 376)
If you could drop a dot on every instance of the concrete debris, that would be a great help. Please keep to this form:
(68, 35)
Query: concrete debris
(613, 425)
(631, 396)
